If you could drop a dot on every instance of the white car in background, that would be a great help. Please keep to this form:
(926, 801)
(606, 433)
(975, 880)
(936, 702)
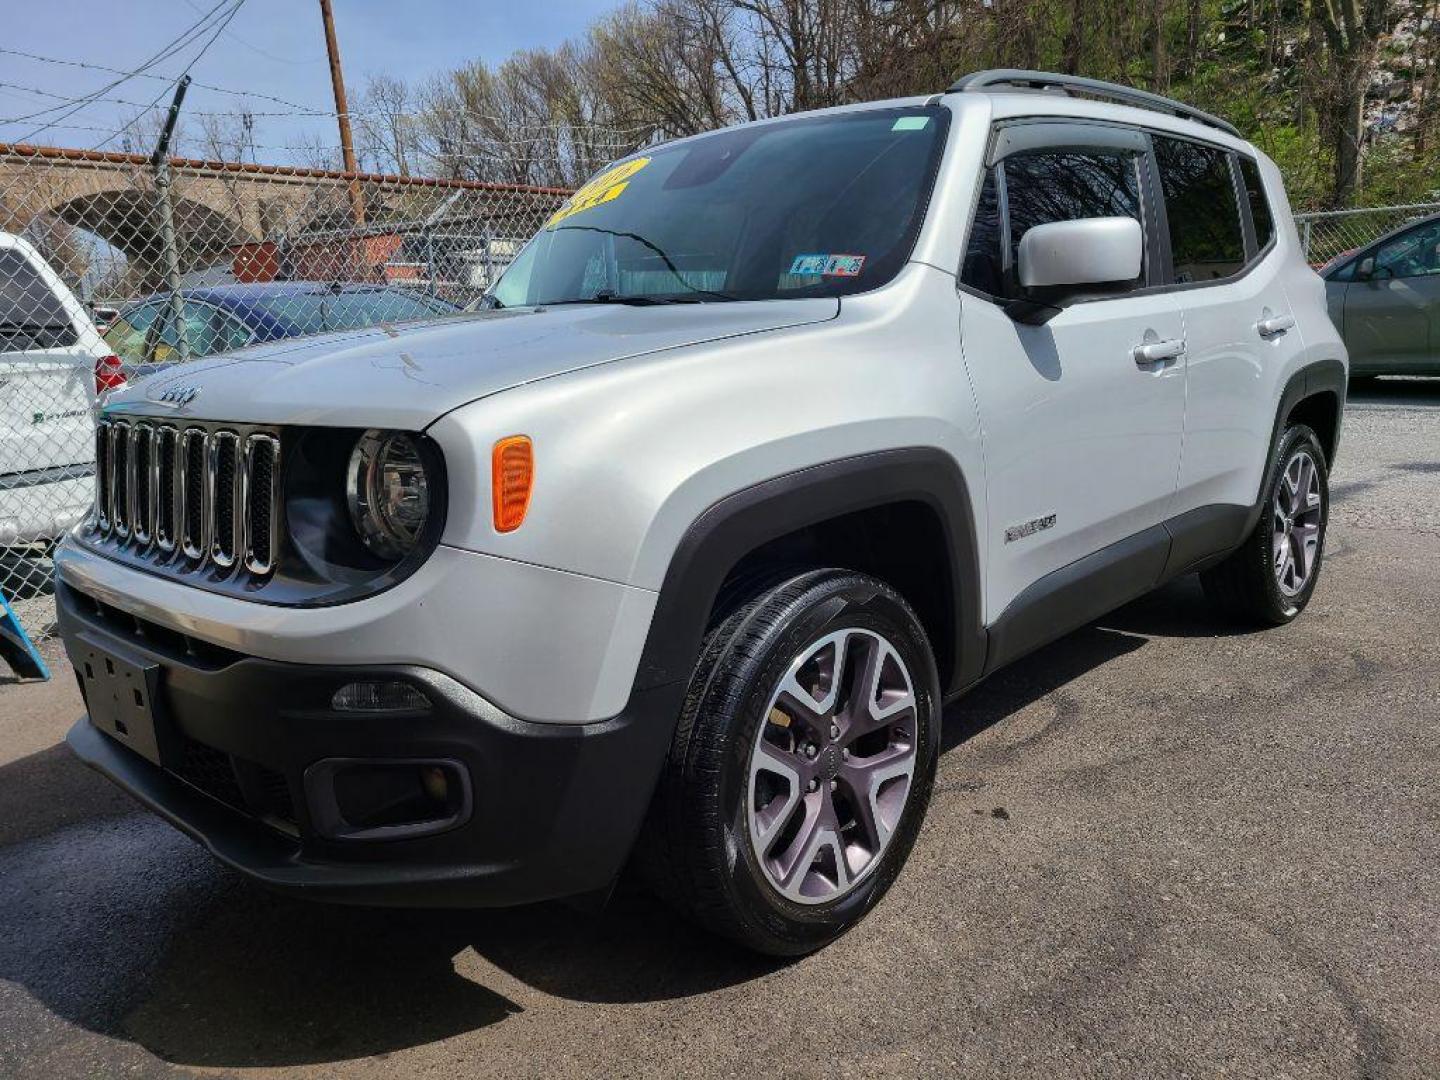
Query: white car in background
(51, 361)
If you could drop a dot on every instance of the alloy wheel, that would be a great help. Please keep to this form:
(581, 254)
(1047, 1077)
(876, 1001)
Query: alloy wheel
(1296, 516)
(832, 766)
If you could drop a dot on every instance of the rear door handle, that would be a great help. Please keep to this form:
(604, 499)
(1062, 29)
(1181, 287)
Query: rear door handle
(1274, 325)
(1157, 352)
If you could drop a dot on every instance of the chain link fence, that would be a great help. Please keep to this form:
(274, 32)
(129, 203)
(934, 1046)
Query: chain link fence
(114, 269)
(1330, 234)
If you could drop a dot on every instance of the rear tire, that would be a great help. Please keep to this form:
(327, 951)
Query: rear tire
(1270, 578)
(757, 830)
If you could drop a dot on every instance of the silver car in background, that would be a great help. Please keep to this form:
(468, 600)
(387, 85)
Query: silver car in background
(1385, 301)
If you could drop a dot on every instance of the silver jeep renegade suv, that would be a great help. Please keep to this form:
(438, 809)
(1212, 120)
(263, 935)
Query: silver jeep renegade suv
(772, 441)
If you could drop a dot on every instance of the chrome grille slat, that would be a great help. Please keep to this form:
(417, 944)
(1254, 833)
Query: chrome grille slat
(261, 499)
(209, 496)
(223, 481)
(119, 479)
(165, 470)
(140, 484)
(194, 497)
(102, 478)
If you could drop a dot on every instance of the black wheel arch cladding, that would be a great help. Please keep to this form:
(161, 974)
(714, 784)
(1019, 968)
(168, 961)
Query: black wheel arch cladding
(736, 526)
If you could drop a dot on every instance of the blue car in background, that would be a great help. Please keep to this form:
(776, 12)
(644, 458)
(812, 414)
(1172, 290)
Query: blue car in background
(144, 337)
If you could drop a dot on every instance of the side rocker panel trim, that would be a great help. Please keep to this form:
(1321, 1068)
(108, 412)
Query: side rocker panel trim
(738, 524)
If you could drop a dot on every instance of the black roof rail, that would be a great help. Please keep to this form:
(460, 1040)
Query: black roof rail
(1127, 95)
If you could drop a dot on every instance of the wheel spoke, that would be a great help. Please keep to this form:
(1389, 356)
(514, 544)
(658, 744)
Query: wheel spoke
(815, 704)
(878, 701)
(863, 780)
(792, 863)
(768, 820)
(1306, 542)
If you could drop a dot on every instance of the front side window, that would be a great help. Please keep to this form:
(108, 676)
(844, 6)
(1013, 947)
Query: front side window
(819, 206)
(1043, 186)
(984, 266)
(1415, 254)
(1206, 241)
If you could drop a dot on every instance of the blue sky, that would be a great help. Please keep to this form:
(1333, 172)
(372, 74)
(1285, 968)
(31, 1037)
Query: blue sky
(271, 47)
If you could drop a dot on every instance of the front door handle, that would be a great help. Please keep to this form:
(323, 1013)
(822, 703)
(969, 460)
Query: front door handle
(1274, 325)
(1157, 352)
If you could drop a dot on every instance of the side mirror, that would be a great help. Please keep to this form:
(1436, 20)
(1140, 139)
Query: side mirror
(1366, 270)
(1062, 258)
(1072, 255)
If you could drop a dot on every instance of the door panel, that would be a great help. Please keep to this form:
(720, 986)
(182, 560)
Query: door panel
(1387, 322)
(1082, 443)
(1233, 368)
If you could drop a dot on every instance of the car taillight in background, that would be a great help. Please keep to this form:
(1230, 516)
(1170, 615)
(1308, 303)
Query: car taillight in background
(109, 374)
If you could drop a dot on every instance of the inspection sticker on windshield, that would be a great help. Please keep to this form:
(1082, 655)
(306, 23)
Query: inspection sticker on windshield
(828, 265)
(606, 187)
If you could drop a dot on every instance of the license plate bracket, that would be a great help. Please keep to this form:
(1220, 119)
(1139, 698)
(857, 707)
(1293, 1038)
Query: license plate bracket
(122, 695)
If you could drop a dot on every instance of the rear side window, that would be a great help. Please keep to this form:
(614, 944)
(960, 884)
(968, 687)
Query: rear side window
(31, 315)
(1206, 241)
(126, 336)
(1259, 204)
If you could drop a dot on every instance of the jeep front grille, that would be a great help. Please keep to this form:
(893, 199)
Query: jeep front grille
(205, 495)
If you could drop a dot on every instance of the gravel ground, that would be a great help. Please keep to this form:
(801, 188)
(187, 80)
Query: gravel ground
(1158, 846)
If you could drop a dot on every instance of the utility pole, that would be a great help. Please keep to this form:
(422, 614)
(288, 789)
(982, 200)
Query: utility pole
(342, 112)
(160, 163)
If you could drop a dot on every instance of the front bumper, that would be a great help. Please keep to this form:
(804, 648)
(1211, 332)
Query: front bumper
(556, 807)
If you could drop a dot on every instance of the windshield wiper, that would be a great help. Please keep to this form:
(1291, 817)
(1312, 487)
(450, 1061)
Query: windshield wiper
(605, 296)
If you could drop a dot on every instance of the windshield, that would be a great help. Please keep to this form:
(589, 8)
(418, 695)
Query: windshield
(809, 207)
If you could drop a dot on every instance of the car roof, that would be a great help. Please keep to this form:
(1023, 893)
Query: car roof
(1017, 104)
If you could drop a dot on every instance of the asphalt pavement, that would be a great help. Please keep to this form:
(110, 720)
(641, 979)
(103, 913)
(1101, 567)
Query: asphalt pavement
(1157, 847)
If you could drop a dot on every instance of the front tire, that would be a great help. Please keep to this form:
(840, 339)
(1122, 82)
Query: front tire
(1270, 578)
(802, 764)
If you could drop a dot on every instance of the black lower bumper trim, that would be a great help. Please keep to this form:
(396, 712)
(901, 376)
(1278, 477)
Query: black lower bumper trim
(556, 808)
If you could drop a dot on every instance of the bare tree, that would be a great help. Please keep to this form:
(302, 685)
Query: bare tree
(1351, 30)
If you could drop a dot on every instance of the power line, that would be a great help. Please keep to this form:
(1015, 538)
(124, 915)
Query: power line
(193, 61)
(233, 36)
(85, 66)
(164, 53)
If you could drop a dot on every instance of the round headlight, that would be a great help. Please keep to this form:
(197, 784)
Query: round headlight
(388, 491)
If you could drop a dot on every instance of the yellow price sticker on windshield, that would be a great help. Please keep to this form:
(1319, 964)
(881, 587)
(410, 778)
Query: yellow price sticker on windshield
(605, 188)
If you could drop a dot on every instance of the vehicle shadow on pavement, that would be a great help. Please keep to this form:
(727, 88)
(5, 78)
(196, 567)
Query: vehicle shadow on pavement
(117, 923)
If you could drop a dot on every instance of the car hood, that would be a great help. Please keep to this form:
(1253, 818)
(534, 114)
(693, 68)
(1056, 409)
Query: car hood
(409, 375)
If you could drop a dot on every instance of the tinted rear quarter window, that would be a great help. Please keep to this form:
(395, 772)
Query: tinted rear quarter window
(1259, 204)
(1206, 240)
(31, 315)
